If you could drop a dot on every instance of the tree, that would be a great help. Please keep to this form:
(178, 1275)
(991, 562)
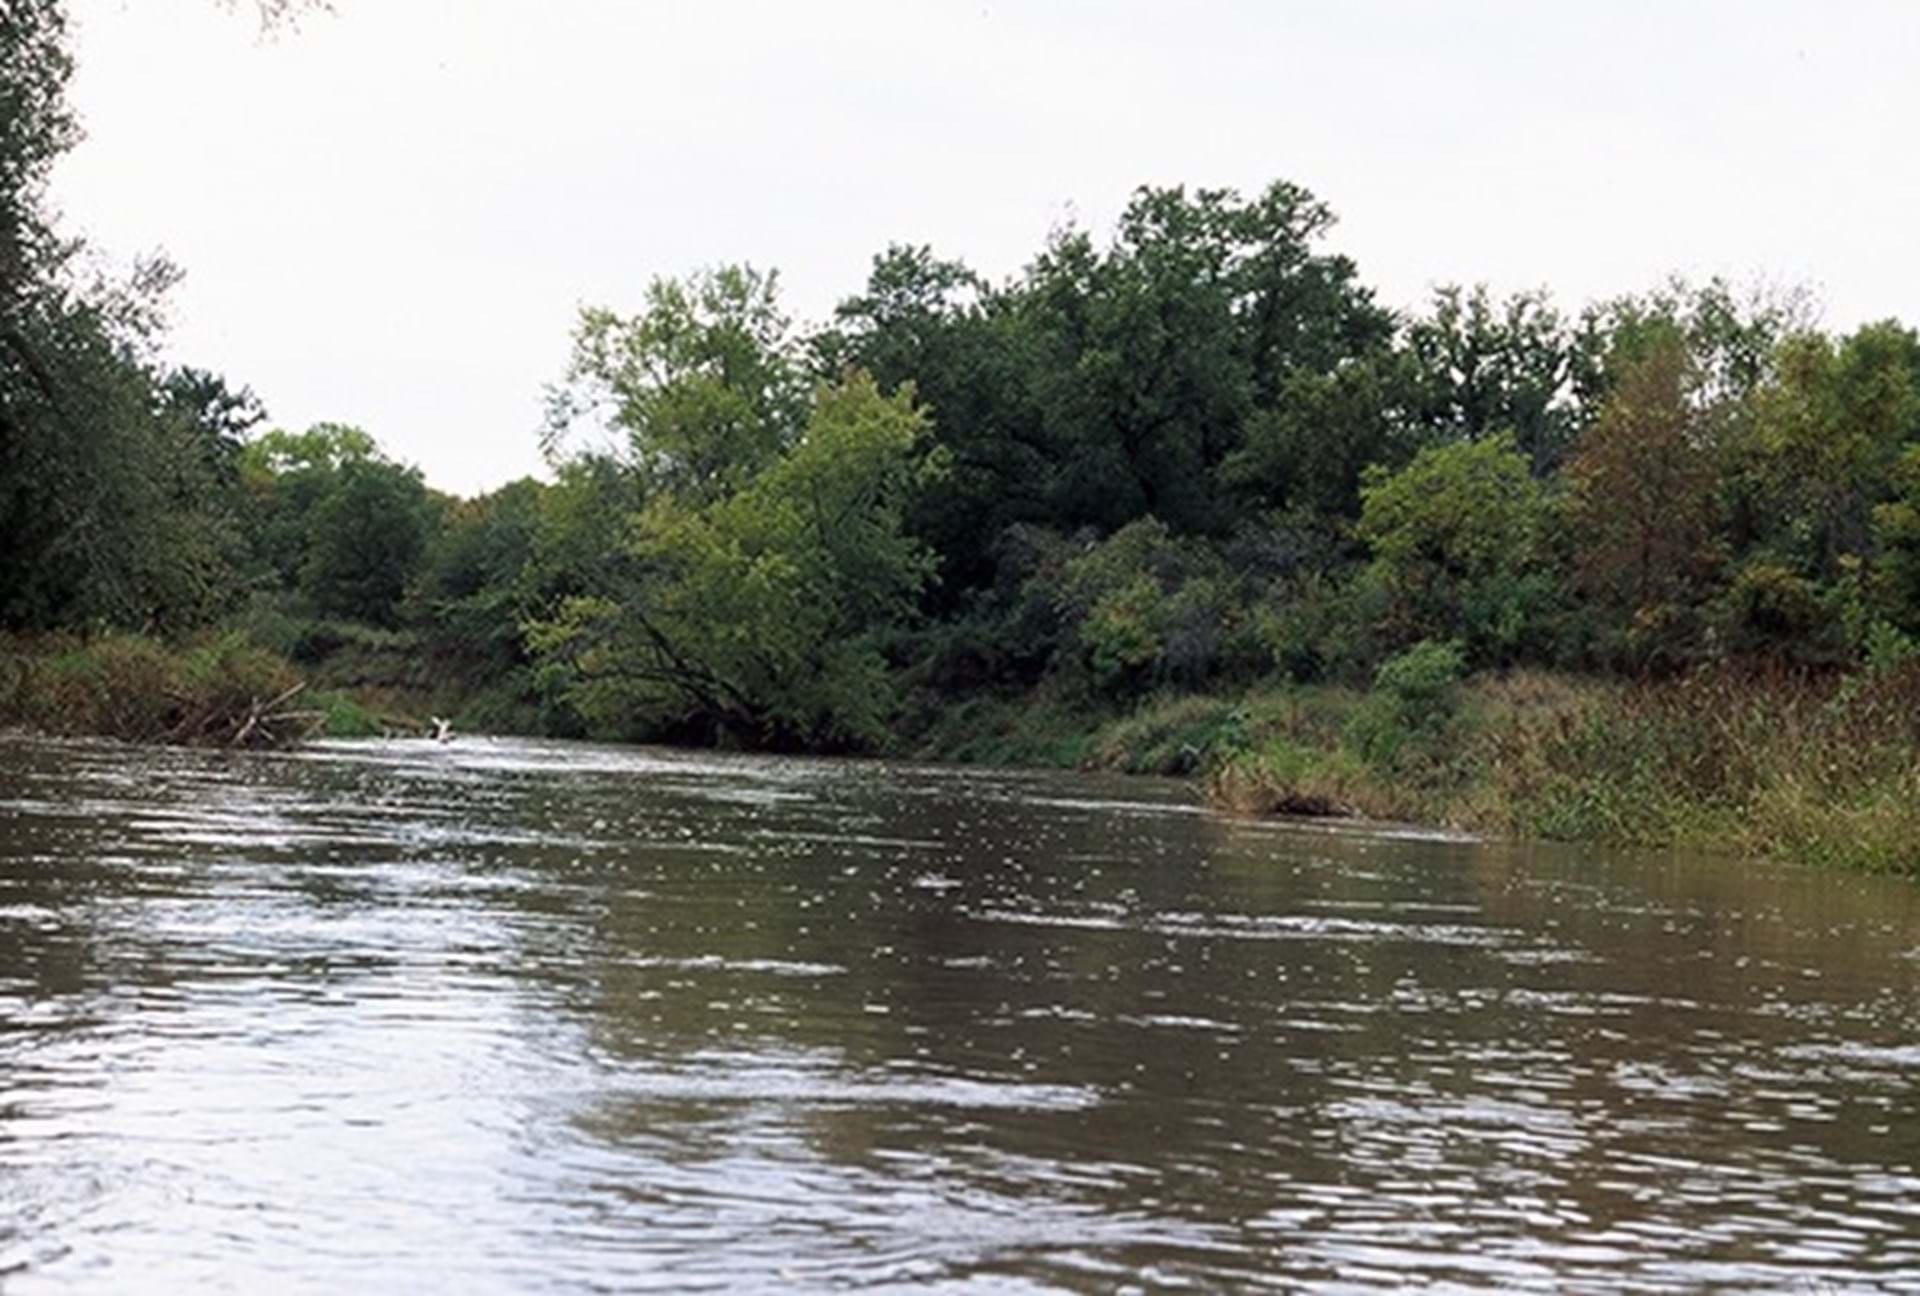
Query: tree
(285, 475)
(365, 538)
(1150, 359)
(704, 385)
(1482, 367)
(1896, 528)
(1457, 540)
(217, 418)
(1642, 501)
(116, 499)
(112, 508)
(335, 522)
(36, 127)
(752, 615)
(1817, 448)
(1730, 338)
(477, 583)
(936, 324)
(1309, 450)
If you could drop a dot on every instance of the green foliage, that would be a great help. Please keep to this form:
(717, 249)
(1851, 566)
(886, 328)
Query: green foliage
(343, 716)
(1888, 649)
(366, 536)
(1310, 449)
(1038, 729)
(1323, 628)
(1643, 505)
(1413, 697)
(1721, 759)
(36, 127)
(324, 448)
(1730, 337)
(1170, 734)
(753, 615)
(1480, 367)
(111, 511)
(483, 577)
(215, 690)
(1145, 608)
(1770, 610)
(1456, 538)
(704, 383)
(1155, 355)
(1123, 634)
(1896, 532)
(336, 522)
(1818, 448)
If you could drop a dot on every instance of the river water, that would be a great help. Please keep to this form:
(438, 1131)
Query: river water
(506, 1016)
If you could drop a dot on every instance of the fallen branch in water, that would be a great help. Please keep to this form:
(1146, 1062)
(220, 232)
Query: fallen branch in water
(261, 720)
(261, 724)
(220, 692)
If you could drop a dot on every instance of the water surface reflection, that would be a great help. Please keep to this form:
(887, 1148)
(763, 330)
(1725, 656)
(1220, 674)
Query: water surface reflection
(511, 1016)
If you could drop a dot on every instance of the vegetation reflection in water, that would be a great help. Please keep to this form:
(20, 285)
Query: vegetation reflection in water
(512, 1016)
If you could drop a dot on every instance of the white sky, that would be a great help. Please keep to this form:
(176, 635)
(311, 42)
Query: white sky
(390, 217)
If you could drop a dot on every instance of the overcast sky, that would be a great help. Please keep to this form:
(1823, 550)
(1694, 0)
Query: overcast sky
(390, 217)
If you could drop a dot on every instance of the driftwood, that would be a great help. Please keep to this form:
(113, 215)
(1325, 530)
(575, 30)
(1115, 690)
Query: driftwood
(263, 724)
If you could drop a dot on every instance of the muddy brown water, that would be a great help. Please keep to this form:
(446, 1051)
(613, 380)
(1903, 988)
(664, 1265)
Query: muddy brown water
(513, 1016)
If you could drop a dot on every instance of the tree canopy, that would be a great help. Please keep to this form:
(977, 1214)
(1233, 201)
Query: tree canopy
(1185, 452)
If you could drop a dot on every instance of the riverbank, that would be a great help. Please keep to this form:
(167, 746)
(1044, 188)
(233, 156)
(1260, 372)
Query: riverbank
(216, 690)
(1818, 771)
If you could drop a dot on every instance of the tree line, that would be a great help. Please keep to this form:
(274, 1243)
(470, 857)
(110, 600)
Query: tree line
(1189, 455)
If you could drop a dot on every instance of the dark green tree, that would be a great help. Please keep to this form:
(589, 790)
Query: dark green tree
(1480, 367)
(365, 539)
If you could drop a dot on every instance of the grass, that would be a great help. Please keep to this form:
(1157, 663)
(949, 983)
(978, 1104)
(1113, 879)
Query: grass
(1822, 771)
(1168, 735)
(205, 690)
(218, 690)
(1029, 730)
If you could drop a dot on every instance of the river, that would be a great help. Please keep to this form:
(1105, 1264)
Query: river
(516, 1016)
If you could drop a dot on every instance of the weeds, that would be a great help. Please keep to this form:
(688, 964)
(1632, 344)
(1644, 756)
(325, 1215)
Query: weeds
(1825, 771)
(218, 691)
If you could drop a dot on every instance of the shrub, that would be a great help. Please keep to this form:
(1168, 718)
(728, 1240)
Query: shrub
(1457, 546)
(1412, 699)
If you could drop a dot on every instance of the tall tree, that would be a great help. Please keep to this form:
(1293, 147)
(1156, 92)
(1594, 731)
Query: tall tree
(1481, 366)
(936, 324)
(703, 388)
(1153, 356)
(1643, 503)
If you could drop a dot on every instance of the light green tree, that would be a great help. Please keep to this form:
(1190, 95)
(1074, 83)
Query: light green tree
(1457, 540)
(752, 615)
(702, 389)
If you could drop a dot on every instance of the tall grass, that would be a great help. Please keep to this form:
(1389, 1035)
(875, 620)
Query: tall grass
(1820, 770)
(220, 690)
